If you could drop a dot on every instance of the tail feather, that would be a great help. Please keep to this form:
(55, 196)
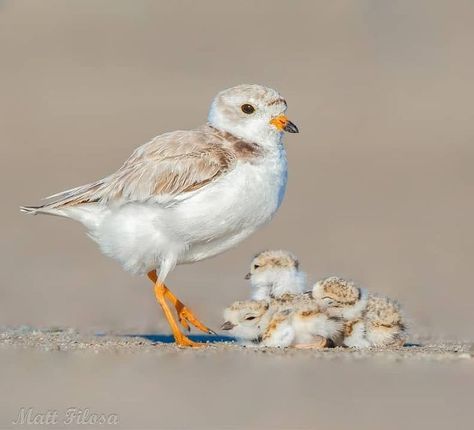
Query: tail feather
(44, 210)
(88, 193)
(30, 210)
(81, 191)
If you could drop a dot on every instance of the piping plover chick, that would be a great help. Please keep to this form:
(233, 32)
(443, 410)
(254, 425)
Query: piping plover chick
(274, 273)
(347, 301)
(292, 320)
(384, 322)
(188, 195)
(247, 320)
(308, 319)
(369, 320)
(381, 325)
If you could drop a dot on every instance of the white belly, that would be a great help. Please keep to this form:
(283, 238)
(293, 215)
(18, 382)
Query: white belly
(147, 236)
(233, 209)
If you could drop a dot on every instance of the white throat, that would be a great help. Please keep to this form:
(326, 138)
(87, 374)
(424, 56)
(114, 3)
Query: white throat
(256, 131)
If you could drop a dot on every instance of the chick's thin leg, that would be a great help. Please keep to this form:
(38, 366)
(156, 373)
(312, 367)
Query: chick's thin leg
(185, 315)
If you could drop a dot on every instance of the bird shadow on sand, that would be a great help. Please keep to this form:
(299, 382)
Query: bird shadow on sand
(168, 338)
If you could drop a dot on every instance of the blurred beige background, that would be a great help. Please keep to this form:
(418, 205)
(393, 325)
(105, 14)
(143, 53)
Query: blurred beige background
(380, 177)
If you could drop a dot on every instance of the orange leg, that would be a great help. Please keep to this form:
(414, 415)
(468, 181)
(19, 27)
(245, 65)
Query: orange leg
(185, 315)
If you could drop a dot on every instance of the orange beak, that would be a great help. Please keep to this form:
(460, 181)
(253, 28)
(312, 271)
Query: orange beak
(282, 123)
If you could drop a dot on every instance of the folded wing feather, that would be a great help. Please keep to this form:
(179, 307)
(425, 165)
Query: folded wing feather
(169, 165)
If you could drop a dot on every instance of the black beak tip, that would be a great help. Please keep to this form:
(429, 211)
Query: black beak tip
(291, 128)
(227, 326)
(247, 276)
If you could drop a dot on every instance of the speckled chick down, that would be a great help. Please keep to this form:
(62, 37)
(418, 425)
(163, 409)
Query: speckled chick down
(274, 273)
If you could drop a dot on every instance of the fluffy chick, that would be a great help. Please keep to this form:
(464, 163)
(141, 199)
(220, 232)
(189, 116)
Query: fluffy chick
(384, 322)
(343, 299)
(274, 273)
(368, 320)
(291, 320)
(311, 324)
(247, 320)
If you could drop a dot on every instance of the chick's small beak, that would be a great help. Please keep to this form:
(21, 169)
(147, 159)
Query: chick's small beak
(227, 326)
(282, 123)
(248, 276)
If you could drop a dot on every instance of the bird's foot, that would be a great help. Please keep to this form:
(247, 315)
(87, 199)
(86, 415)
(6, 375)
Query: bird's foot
(184, 342)
(186, 317)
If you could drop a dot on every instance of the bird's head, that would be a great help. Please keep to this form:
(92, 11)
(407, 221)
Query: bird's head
(252, 112)
(277, 270)
(246, 319)
(339, 296)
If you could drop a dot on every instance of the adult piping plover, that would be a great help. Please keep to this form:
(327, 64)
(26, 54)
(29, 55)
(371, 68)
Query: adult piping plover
(188, 195)
(275, 272)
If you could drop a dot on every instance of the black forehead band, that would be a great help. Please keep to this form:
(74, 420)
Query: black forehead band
(280, 100)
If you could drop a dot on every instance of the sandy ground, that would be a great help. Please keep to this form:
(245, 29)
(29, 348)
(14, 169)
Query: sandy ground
(59, 339)
(426, 385)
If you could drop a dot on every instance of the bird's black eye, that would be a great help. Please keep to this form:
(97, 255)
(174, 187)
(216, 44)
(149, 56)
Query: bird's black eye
(256, 266)
(250, 318)
(248, 109)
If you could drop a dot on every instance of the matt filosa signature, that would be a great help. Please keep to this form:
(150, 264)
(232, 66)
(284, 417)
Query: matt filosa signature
(70, 416)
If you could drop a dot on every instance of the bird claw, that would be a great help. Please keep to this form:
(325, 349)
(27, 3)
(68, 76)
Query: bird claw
(184, 323)
(186, 317)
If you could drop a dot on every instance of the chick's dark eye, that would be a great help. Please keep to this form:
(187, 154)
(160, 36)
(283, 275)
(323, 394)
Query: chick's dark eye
(248, 109)
(250, 318)
(256, 266)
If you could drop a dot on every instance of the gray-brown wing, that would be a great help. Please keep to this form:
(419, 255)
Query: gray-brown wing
(169, 166)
